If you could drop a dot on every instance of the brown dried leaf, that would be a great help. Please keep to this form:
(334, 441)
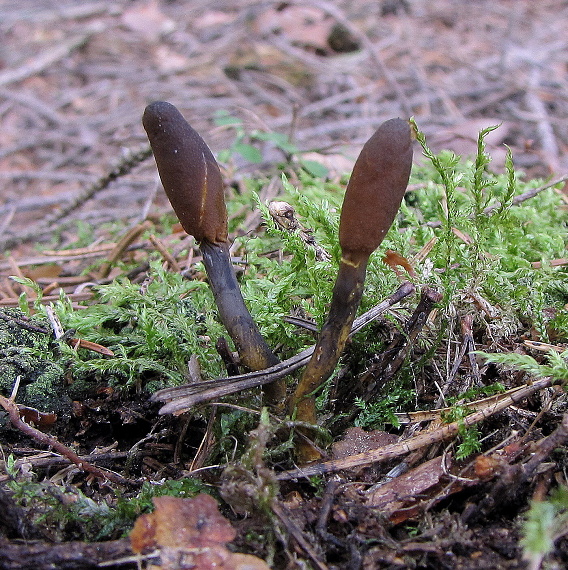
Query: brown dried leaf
(87, 344)
(35, 417)
(246, 562)
(190, 533)
(396, 497)
(179, 523)
(143, 535)
(393, 259)
(49, 271)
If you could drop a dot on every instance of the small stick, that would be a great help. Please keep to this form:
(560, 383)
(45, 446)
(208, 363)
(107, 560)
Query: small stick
(397, 449)
(295, 531)
(50, 460)
(122, 167)
(325, 508)
(519, 199)
(13, 413)
(22, 323)
(415, 324)
(546, 446)
(529, 194)
(128, 238)
(76, 297)
(168, 257)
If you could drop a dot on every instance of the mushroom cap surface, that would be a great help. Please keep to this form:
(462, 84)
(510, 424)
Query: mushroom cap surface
(376, 188)
(188, 171)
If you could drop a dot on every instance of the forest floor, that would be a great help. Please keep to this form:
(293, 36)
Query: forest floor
(75, 78)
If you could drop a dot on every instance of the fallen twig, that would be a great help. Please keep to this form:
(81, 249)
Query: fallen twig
(416, 442)
(23, 323)
(127, 239)
(46, 299)
(14, 414)
(168, 257)
(46, 460)
(545, 447)
(392, 358)
(514, 476)
(528, 194)
(181, 398)
(43, 555)
(405, 340)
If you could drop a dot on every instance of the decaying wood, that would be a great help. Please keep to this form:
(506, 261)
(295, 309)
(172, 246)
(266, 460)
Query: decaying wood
(40, 555)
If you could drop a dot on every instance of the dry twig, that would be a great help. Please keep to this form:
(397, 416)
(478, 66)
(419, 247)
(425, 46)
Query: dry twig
(14, 414)
(418, 441)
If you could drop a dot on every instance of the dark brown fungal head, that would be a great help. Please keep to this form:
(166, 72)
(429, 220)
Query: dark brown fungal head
(375, 190)
(189, 173)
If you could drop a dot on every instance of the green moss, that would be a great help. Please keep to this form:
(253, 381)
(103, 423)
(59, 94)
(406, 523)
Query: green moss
(33, 357)
(152, 330)
(155, 330)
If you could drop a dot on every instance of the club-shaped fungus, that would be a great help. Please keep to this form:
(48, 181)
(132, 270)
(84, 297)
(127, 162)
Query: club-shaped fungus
(194, 185)
(372, 199)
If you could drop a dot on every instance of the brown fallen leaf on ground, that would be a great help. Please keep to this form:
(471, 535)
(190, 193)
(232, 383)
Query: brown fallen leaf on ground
(35, 417)
(189, 533)
(397, 498)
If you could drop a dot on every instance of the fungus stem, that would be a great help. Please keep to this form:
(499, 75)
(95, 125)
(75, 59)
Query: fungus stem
(253, 350)
(347, 294)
